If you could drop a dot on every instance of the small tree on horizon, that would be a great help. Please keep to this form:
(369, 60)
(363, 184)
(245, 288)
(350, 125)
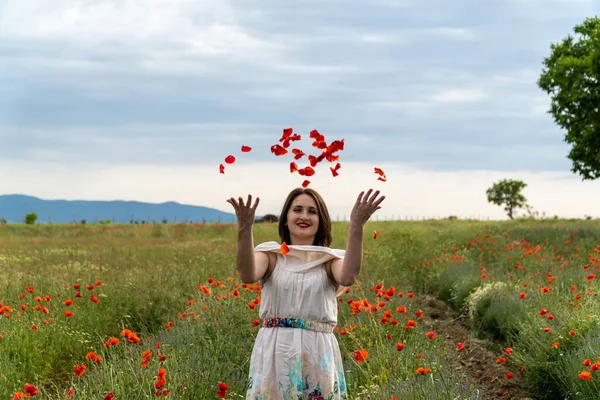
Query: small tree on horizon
(507, 192)
(31, 218)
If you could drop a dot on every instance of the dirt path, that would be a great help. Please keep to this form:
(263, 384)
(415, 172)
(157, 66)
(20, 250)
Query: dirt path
(475, 360)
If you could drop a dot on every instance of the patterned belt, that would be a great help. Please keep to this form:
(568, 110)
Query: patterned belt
(297, 323)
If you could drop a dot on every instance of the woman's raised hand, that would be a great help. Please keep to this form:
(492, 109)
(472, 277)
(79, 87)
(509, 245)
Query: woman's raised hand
(365, 207)
(244, 212)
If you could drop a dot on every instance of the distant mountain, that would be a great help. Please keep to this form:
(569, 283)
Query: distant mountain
(14, 207)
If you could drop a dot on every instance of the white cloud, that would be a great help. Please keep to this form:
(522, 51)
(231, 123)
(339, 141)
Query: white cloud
(409, 192)
(459, 95)
(156, 29)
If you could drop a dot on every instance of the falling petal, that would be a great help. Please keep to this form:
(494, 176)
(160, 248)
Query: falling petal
(306, 171)
(278, 150)
(298, 154)
(334, 170)
(246, 149)
(305, 183)
(230, 159)
(221, 168)
(284, 248)
(379, 171)
(375, 234)
(293, 167)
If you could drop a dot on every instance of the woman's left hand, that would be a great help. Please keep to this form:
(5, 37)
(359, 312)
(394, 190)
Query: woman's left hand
(365, 207)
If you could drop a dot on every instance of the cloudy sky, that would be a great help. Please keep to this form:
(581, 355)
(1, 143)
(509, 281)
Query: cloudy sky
(142, 100)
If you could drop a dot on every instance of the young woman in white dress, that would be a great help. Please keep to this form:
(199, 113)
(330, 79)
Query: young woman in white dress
(296, 354)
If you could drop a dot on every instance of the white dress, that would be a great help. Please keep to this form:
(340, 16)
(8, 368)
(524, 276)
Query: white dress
(297, 359)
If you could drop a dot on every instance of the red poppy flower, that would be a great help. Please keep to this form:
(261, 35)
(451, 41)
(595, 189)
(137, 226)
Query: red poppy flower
(361, 355)
(222, 389)
(80, 370)
(31, 390)
(584, 375)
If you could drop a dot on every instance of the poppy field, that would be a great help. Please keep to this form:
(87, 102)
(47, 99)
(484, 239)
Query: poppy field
(157, 311)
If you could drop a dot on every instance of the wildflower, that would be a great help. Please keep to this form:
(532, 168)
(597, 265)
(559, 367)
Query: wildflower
(222, 390)
(30, 390)
(460, 346)
(361, 355)
(584, 375)
(423, 370)
(91, 356)
(80, 370)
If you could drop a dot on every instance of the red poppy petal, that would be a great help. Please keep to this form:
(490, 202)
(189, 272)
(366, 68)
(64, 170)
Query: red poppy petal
(278, 150)
(305, 183)
(230, 159)
(221, 168)
(246, 149)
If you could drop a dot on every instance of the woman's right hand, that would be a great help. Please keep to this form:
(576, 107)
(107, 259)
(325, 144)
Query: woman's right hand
(244, 212)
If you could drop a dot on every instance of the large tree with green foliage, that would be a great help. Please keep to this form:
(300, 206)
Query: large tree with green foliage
(507, 192)
(572, 78)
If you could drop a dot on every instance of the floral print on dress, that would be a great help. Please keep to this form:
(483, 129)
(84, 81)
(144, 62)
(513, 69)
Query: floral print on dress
(299, 386)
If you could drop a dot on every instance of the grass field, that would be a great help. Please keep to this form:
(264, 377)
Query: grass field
(69, 293)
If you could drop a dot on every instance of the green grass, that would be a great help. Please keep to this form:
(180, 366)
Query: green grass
(150, 272)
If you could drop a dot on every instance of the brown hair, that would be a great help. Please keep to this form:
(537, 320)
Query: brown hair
(323, 235)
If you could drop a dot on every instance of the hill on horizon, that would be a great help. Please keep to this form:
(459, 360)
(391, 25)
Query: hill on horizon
(14, 207)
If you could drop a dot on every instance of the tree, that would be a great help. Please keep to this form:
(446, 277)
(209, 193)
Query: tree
(31, 218)
(572, 78)
(507, 192)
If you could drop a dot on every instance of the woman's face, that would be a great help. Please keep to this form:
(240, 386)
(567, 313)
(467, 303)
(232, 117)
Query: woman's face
(303, 220)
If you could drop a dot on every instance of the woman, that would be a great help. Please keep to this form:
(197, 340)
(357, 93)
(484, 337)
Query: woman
(296, 354)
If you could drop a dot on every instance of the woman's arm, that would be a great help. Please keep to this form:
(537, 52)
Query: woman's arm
(346, 271)
(251, 265)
